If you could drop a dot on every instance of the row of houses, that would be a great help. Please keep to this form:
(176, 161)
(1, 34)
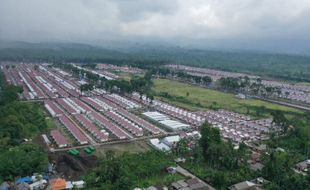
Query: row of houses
(238, 127)
(214, 74)
(125, 68)
(234, 126)
(105, 74)
(288, 91)
(40, 82)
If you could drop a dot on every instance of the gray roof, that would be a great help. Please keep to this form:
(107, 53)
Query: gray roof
(257, 166)
(199, 186)
(302, 164)
(242, 185)
(151, 188)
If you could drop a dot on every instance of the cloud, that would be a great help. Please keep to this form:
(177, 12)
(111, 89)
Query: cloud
(36, 20)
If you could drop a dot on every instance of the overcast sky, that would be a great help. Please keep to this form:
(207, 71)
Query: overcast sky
(78, 20)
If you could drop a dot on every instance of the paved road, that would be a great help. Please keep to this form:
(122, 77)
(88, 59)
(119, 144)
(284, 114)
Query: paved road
(285, 104)
(184, 172)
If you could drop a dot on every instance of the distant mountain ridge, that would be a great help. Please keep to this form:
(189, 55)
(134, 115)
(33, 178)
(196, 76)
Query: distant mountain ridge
(286, 66)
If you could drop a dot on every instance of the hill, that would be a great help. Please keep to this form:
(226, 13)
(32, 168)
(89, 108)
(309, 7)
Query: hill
(282, 66)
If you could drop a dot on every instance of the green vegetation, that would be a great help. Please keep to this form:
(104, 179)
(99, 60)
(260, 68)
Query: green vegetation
(86, 87)
(131, 170)
(182, 76)
(295, 141)
(22, 160)
(218, 163)
(215, 160)
(125, 76)
(192, 97)
(119, 149)
(50, 123)
(304, 83)
(19, 121)
(264, 64)
(297, 137)
(278, 170)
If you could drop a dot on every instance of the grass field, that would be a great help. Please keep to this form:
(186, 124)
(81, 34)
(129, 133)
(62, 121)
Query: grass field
(131, 147)
(50, 123)
(125, 76)
(304, 83)
(193, 97)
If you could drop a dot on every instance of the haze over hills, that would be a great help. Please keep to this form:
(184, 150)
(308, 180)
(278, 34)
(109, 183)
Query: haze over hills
(267, 26)
(282, 46)
(286, 66)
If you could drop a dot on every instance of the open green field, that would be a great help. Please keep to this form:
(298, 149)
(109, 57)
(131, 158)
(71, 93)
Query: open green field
(304, 83)
(125, 76)
(50, 123)
(193, 97)
(131, 147)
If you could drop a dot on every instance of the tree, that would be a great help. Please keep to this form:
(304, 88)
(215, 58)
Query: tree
(277, 167)
(22, 160)
(141, 85)
(182, 149)
(280, 120)
(260, 110)
(206, 80)
(219, 154)
(127, 170)
(19, 120)
(209, 136)
(10, 93)
(36, 67)
(86, 87)
(229, 83)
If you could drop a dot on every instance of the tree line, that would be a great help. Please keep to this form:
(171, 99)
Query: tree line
(19, 121)
(183, 76)
(264, 64)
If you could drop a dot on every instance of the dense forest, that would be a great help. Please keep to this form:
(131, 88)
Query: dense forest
(284, 66)
(20, 122)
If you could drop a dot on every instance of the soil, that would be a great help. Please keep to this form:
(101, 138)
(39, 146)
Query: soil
(72, 167)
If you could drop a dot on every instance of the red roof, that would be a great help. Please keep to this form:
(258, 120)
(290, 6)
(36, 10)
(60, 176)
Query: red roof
(59, 138)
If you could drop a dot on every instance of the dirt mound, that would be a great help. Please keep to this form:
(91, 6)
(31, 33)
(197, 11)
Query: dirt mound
(72, 167)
